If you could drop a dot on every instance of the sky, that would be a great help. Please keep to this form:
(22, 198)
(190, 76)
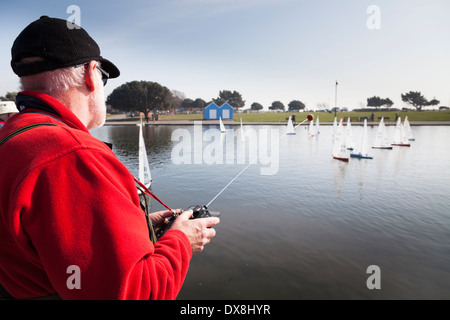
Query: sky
(267, 50)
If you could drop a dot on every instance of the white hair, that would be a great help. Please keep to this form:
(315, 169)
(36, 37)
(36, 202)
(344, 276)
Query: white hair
(55, 81)
(58, 82)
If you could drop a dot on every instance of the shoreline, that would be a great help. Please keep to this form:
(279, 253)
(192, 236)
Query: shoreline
(113, 122)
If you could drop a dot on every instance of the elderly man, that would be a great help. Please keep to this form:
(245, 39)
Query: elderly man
(71, 225)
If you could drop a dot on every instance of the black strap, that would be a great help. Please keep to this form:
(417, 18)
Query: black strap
(5, 294)
(26, 128)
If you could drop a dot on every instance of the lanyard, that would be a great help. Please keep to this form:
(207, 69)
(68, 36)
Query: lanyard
(151, 194)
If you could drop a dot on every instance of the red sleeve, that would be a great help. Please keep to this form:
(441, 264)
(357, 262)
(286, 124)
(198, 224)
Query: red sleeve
(82, 209)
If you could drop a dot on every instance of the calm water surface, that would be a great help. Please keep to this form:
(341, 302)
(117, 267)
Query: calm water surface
(311, 230)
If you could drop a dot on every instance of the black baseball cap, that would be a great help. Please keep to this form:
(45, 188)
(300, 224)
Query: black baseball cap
(58, 46)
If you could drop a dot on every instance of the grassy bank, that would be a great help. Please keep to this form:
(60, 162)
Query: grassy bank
(324, 117)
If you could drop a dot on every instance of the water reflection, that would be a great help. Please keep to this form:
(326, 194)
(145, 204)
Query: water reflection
(339, 175)
(310, 230)
(125, 143)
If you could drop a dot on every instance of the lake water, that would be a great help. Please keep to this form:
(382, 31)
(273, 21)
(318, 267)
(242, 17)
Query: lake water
(298, 224)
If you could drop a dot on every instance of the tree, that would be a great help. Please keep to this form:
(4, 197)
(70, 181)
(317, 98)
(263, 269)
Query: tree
(433, 102)
(177, 99)
(296, 105)
(199, 103)
(187, 103)
(417, 100)
(139, 95)
(388, 103)
(256, 106)
(234, 99)
(9, 96)
(277, 105)
(377, 102)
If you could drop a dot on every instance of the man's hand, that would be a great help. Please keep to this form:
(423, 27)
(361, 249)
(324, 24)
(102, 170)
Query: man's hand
(159, 217)
(198, 231)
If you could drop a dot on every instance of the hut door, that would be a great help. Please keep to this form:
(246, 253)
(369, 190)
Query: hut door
(226, 114)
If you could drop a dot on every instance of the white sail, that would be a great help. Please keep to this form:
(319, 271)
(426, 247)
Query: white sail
(403, 133)
(336, 141)
(378, 143)
(385, 139)
(339, 146)
(222, 127)
(145, 175)
(398, 132)
(400, 138)
(364, 143)
(362, 152)
(408, 130)
(364, 146)
(381, 139)
(312, 129)
(349, 135)
(334, 129)
(317, 126)
(290, 127)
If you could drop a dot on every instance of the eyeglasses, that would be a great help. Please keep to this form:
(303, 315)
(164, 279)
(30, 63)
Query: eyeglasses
(105, 75)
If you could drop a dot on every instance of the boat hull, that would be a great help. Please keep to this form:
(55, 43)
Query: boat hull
(401, 144)
(387, 148)
(360, 156)
(340, 158)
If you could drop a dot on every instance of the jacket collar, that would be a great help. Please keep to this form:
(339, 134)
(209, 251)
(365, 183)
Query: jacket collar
(33, 101)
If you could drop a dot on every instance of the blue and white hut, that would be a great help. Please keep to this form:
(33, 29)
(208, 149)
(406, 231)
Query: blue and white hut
(211, 112)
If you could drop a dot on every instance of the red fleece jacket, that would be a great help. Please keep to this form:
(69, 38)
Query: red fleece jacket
(67, 200)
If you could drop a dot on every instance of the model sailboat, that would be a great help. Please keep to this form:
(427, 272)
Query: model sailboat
(334, 129)
(408, 130)
(381, 139)
(145, 176)
(363, 152)
(350, 139)
(317, 126)
(400, 138)
(339, 147)
(222, 127)
(290, 127)
(312, 129)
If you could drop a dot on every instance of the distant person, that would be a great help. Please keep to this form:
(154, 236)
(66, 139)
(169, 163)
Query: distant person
(372, 116)
(69, 209)
(7, 110)
(396, 116)
(293, 118)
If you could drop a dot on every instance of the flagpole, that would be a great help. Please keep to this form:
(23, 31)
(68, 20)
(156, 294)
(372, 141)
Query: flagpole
(335, 100)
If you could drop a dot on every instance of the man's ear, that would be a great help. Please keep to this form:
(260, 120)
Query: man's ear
(91, 76)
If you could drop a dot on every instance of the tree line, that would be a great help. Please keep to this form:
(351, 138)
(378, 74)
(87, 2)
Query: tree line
(413, 98)
(294, 105)
(147, 95)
